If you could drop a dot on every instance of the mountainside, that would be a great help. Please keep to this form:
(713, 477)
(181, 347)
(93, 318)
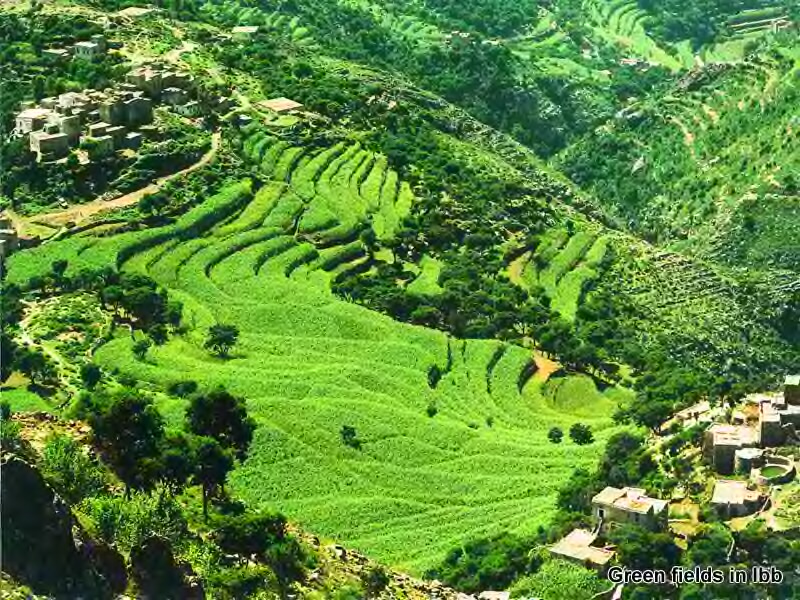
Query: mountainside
(414, 245)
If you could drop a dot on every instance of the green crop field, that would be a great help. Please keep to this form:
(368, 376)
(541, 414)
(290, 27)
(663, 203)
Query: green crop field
(309, 363)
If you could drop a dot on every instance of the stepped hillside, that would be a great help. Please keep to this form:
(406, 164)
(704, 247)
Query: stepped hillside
(489, 225)
(726, 194)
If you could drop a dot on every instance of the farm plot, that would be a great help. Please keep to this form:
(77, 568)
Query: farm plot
(565, 266)
(310, 363)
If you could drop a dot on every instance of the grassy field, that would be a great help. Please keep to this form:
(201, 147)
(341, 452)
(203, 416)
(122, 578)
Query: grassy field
(309, 363)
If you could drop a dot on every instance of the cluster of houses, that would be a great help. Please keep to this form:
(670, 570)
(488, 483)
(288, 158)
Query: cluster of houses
(114, 118)
(741, 447)
(612, 506)
(744, 447)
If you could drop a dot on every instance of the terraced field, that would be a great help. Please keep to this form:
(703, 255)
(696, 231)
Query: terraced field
(262, 257)
(623, 22)
(564, 265)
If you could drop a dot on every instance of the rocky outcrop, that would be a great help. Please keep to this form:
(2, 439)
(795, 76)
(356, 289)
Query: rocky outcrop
(159, 576)
(39, 547)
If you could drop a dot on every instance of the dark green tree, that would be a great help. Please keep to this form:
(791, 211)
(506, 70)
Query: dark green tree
(130, 433)
(91, 375)
(221, 338)
(212, 465)
(222, 416)
(581, 434)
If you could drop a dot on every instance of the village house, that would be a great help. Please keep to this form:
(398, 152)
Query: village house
(49, 144)
(136, 13)
(92, 49)
(733, 499)
(721, 441)
(31, 119)
(577, 547)
(243, 33)
(280, 105)
(629, 505)
(779, 415)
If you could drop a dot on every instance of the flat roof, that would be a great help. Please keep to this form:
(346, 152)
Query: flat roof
(34, 113)
(630, 499)
(280, 104)
(135, 11)
(577, 544)
(245, 29)
(792, 380)
(731, 491)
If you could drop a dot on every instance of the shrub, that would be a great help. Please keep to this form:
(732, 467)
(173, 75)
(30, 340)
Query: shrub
(70, 470)
(127, 523)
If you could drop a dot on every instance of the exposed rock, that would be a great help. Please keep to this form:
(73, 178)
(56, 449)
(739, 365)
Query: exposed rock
(159, 576)
(37, 536)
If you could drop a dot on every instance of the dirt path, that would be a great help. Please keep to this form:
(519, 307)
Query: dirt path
(544, 367)
(62, 365)
(81, 212)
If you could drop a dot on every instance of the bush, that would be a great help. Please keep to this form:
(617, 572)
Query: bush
(486, 564)
(69, 469)
(182, 388)
(128, 523)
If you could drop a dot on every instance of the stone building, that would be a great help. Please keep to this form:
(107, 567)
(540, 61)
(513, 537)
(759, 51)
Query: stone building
(243, 33)
(779, 415)
(629, 505)
(577, 547)
(49, 145)
(87, 50)
(281, 105)
(32, 119)
(734, 499)
(722, 440)
(9, 240)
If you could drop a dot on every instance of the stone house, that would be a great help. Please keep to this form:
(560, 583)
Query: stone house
(577, 547)
(733, 499)
(243, 33)
(721, 441)
(174, 96)
(779, 415)
(629, 505)
(280, 105)
(49, 145)
(32, 119)
(190, 109)
(87, 50)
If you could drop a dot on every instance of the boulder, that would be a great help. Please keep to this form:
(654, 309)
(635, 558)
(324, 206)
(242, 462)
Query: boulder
(39, 549)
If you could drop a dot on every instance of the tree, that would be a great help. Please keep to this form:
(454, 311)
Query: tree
(710, 547)
(212, 465)
(581, 434)
(222, 416)
(35, 365)
(140, 348)
(130, 431)
(58, 269)
(375, 581)
(640, 548)
(91, 375)
(178, 461)
(555, 435)
(221, 338)
(158, 334)
(350, 437)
